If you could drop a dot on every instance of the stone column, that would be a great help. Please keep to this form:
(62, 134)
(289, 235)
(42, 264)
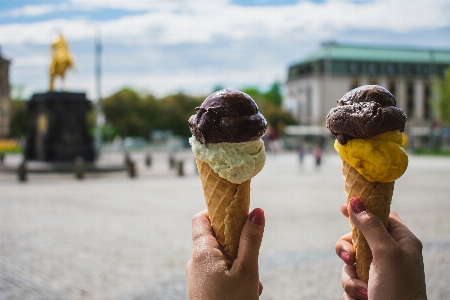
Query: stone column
(419, 99)
(400, 93)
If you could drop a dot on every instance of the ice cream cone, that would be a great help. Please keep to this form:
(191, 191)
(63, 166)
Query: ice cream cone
(228, 206)
(376, 197)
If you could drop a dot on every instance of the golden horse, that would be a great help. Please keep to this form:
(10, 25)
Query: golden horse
(61, 60)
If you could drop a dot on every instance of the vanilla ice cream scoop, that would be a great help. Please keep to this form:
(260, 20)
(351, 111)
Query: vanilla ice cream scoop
(235, 162)
(226, 134)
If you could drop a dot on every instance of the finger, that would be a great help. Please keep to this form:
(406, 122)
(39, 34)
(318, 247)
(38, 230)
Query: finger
(202, 236)
(345, 250)
(260, 288)
(376, 234)
(352, 285)
(402, 235)
(344, 210)
(250, 242)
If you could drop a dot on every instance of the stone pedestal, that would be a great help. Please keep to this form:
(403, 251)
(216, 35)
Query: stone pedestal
(58, 130)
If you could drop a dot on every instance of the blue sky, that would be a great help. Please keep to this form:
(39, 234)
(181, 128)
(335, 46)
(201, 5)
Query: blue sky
(169, 46)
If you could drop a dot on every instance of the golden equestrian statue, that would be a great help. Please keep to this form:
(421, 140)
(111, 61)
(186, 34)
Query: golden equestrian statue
(61, 60)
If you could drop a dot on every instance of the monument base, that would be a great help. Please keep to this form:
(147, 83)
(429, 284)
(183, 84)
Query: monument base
(59, 130)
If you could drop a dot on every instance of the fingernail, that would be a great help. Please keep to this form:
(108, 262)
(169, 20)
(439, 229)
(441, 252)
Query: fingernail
(361, 293)
(357, 205)
(344, 256)
(257, 216)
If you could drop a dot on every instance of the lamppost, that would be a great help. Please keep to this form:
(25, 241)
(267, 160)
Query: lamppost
(99, 117)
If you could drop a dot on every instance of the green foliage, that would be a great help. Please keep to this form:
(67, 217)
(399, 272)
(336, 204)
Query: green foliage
(176, 110)
(20, 119)
(132, 114)
(441, 103)
(269, 104)
(273, 95)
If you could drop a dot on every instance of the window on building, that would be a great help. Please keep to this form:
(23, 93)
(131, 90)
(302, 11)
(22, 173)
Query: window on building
(410, 99)
(354, 68)
(391, 69)
(426, 70)
(372, 68)
(410, 70)
(442, 70)
(426, 102)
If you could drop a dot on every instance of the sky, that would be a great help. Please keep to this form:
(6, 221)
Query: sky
(191, 46)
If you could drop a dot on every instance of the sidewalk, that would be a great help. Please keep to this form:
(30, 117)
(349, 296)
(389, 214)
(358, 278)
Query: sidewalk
(113, 237)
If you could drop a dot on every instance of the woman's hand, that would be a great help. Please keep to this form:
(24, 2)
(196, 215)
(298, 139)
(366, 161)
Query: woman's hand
(397, 270)
(211, 276)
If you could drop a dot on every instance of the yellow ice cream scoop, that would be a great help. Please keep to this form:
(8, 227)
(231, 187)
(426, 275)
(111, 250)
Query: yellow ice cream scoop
(379, 159)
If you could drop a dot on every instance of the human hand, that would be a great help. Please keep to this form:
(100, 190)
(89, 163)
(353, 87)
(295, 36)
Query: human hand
(211, 276)
(397, 270)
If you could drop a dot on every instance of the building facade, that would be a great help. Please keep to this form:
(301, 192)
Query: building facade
(5, 103)
(316, 83)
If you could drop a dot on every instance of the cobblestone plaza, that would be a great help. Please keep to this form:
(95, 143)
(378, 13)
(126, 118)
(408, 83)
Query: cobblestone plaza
(113, 237)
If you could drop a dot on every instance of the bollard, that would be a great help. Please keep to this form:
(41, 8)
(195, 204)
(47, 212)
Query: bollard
(127, 158)
(79, 168)
(180, 168)
(171, 161)
(131, 169)
(148, 160)
(22, 171)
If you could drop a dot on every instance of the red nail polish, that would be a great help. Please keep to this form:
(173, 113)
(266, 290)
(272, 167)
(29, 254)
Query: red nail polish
(361, 293)
(257, 216)
(357, 205)
(344, 256)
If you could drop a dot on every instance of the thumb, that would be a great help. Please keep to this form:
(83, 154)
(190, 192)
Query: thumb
(371, 226)
(250, 242)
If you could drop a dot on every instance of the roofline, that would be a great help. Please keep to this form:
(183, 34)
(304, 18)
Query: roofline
(382, 47)
(333, 44)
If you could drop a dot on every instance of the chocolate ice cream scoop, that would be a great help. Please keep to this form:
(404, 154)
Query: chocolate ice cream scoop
(365, 112)
(227, 116)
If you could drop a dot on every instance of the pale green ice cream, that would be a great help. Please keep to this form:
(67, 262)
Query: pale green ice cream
(235, 162)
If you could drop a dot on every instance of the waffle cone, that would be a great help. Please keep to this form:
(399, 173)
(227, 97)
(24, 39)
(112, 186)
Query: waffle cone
(228, 206)
(376, 197)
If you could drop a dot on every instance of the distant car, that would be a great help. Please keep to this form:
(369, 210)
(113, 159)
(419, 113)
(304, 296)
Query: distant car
(134, 143)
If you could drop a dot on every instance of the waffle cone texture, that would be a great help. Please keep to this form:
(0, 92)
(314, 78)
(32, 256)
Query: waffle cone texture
(376, 197)
(228, 206)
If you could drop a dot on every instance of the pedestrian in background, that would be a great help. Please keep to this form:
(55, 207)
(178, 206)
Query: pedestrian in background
(317, 153)
(301, 152)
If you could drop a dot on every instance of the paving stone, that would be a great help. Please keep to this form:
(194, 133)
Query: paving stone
(109, 236)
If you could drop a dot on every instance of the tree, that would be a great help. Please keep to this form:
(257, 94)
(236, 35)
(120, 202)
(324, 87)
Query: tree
(269, 104)
(20, 118)
(176, 110)
(130, 113)
(441, 103)
(273, 95)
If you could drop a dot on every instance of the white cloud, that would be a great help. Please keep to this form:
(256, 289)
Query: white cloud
(189, 44)
(32, 10)
(199, 21)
